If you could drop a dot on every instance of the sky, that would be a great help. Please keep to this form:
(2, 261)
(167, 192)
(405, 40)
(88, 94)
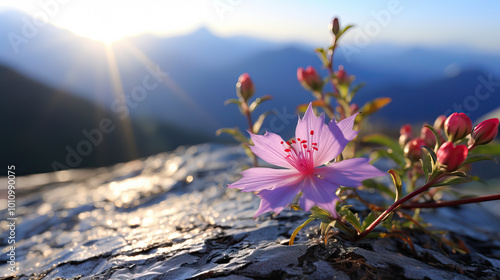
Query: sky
(403, 22)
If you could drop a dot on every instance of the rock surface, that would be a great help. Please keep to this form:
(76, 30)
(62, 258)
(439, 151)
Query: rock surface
(171, 216)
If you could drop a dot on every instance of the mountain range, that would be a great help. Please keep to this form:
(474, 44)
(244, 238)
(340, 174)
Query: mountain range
(183, 82)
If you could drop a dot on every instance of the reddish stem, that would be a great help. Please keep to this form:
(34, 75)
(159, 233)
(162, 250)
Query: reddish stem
(452, 203)
(396, 204)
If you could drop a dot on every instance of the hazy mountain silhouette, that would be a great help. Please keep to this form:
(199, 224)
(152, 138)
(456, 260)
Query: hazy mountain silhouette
(473, 92)
(42, 126)
(202, 70)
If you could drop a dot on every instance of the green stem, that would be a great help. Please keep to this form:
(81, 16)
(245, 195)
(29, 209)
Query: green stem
(248, 115)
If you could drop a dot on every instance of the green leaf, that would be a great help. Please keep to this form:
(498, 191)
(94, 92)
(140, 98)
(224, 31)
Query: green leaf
(292, 238)
(343, 31)
(426, 166)
(368, 221)
(378, 154)
(385, 141)
(428, 161)
(321, 214)
(330, 225)
(372, 184)
(322, 56)
(431, 153)
(480, 157)
(375, 105)
(373, 235)
(453, 181)
(248, 151)
(459, 174)
(492, 148)
(349, 216)
(355, 90)
(295, 207)
(316, 103)
(397, 183)
(258, 123)
(233, 100)
(257, 102)
(235, 132)
(438, 139)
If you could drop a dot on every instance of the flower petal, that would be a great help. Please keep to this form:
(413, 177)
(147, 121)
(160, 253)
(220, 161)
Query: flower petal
(276, 199)
(320, 193)
(260, 178)
(309, 123)
(349, 172)
(342, 132)
(269, 148)
(322, 136)
(346, 126)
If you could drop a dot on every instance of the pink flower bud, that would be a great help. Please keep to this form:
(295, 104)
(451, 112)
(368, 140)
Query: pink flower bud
(413, 149)
(428, 136)
(354, 108)
(245, 87)
(457, 126)
(439, 122)
(342, 76)
(452, 156)
(335, 26)
(484, 132)
(406, 134)
(309, 78)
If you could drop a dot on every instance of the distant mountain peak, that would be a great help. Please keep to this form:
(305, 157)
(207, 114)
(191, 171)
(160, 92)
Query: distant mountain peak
(202, 32)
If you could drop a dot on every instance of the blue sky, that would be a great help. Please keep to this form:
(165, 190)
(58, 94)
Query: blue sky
(423, 22)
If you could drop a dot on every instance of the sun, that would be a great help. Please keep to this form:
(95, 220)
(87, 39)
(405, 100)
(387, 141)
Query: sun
(111, 20)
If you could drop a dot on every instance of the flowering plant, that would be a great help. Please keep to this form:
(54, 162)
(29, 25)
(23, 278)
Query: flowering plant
(321, 168)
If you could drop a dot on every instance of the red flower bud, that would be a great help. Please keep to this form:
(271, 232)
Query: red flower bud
(354, 108)
(335, 26)
(457, 126)
(484, 132)
(309, 78)
(439, 122)
(405, 130)
(245, 87)
(406, 134)
(342, 75)
(413, 149)
(428, 136)
(452, 156)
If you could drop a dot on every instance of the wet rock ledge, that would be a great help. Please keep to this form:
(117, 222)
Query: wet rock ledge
(170, 216)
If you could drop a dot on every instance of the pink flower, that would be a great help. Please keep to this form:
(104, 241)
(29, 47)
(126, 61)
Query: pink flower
(405, 134)
(309, 78)
(439, 122)
(457, 126)
(428, 136)
(484, 132)
(245, 87)
(342, 75)
(302, 159)
(452, 156)
(413, 149)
